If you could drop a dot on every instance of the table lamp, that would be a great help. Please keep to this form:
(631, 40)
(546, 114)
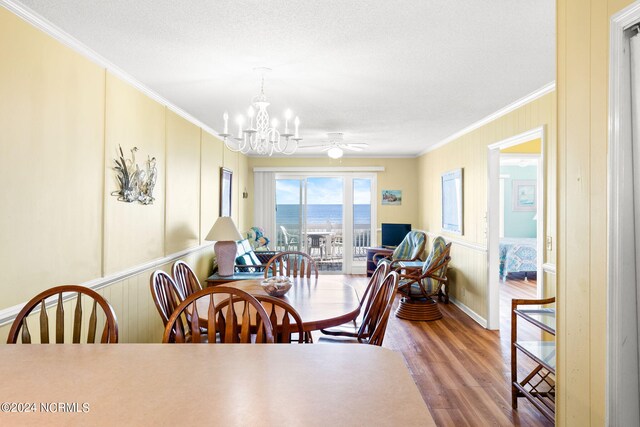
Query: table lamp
(225, 233)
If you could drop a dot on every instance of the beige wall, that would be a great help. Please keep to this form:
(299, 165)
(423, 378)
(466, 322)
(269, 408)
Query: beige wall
(469, 262)
(583, 55)
(399, 174)
(62, 119)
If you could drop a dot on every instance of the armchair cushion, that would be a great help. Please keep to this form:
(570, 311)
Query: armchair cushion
(411, 246)
(429, 284)
(432, 276)
(249, 261)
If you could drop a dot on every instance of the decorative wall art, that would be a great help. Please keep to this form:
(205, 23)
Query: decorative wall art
(523, 195)
(392, 197)
(135, 184)
(452, 201)
(226, 176)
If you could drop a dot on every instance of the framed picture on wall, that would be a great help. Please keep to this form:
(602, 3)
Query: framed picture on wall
(226, 177)
(523, 195)
(452, 201)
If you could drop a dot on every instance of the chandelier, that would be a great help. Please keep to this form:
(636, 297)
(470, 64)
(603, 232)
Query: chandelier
(261, 136)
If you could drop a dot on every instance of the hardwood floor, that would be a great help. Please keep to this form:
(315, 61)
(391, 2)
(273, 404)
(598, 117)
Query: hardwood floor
(462, 369)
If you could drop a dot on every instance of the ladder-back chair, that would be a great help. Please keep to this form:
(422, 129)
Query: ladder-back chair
(221, 307)
(109, 333)
(291, 263)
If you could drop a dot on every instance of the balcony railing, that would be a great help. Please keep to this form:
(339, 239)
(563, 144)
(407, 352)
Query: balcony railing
(333, 245)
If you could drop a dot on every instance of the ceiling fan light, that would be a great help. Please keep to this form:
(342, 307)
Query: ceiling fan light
(335, 152)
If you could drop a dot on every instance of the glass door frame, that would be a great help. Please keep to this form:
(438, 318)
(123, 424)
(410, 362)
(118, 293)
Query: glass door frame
(349, 265)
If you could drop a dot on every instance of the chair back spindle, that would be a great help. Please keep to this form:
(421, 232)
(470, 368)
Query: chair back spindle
(185, 278)
(286, 321)
(166, 294)
(291, 263)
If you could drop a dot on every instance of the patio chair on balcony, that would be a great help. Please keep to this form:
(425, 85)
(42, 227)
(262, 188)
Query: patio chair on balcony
(291, 243)
(335, 240)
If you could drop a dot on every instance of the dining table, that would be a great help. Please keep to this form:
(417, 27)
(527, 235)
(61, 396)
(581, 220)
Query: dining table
(325, 236)
(192, 384)
(322, 303)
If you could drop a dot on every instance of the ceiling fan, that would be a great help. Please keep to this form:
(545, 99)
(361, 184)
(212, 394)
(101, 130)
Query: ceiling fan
(335, 145)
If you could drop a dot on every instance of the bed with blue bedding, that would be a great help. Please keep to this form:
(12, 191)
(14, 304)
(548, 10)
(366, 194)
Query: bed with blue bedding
(518, 255)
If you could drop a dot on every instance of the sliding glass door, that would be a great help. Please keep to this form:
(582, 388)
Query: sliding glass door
(328, 216)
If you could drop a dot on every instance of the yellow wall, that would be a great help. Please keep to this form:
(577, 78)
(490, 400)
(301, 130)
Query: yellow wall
(529, 147)
(399, 174)
(62, 119)
(583, 55)
(469, 258)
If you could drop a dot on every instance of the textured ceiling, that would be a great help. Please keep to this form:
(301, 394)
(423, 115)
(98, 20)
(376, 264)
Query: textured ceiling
(399, 75)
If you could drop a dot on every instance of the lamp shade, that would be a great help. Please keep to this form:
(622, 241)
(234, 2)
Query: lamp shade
(224, 229)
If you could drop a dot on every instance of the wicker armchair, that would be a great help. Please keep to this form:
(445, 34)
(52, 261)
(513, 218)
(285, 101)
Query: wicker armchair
(420, 286)
(410, 249)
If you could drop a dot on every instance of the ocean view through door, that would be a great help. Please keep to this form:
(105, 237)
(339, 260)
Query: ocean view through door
(328, 217)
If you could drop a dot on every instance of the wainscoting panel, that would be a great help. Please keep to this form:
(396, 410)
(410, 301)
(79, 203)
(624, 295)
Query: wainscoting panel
(138, 318)
(468, 277)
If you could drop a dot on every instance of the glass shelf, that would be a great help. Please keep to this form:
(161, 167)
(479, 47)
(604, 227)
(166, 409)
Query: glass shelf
(544, 352)
(544, 318)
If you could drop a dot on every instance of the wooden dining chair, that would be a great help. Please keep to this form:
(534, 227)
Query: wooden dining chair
(109, 332)
(376, 316)
(373, 286)
(224, 307)
(166, 294)
(286, 321)
(291, 263)
(185, 278)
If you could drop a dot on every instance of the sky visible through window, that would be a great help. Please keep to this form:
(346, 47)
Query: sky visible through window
(321, 191)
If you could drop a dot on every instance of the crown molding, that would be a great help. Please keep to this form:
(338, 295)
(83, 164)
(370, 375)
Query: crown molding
(71, 42)
(548, 88)
(318, 169)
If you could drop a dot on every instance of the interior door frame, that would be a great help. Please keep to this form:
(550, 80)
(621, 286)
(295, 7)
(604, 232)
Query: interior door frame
(493, 219)
(348, 264)
(621, 402)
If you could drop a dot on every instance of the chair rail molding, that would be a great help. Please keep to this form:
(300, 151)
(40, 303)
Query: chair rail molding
(549, 268)
(460, 242)
(8, 314)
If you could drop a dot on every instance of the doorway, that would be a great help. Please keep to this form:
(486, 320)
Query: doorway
(329, 216)
(515, 220)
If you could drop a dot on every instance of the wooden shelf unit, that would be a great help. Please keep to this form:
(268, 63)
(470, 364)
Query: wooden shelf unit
(539, 386)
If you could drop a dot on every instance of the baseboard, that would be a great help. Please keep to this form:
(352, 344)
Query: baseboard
(475, 316)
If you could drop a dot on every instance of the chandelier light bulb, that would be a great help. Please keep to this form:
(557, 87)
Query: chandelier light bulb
(335, 152)
(287, 117)
(240, 121)
(225, 116)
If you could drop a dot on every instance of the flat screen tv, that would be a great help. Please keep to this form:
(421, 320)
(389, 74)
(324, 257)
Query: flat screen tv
(392, 234)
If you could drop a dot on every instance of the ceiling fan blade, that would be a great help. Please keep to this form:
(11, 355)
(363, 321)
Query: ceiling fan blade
(357, 144)
(312, 146)
(352, 148)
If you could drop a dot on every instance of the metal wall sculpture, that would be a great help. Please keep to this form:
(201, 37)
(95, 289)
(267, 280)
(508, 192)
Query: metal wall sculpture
(135, 184)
